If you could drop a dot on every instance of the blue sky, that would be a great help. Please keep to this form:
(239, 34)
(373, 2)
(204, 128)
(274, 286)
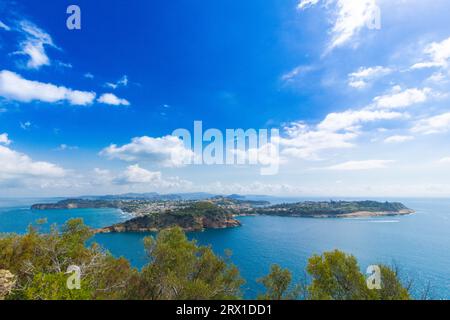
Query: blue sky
(362, 110)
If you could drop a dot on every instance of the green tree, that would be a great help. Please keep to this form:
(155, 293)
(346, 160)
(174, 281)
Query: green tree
(180, 269)
(277, 284)
(34, 267)
(391, 286)
(53, 286)
(336, 276)
(39, 262)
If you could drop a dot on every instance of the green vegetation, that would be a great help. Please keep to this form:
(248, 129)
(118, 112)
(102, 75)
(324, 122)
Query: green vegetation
(337, 276)
(39, 262)
(33, 266)
(277, 284)
(179, 269)
(218, 212)
(195, 217)
(334, 208)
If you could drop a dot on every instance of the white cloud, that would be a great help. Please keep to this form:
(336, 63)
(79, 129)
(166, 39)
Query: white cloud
(398, 139)
(64, 65)
(295, 73)
(63, 147)
(304, 142)
(435, 124)
(445, 160)
(437, 78)
(337, 131)
(350, 17)
(15, 165)
(122, 82)
(34, 45)
(351, 118)
(101, 177)
(89, 75)
(307, 3)
(4, 139)
(438, 53)
(4, 26)
(168, 151)
(80, 98)
(361, 165)
(134, 177)
(362, 78)
(25, 125)
(112, 99)
(254, 187)
(134, 174)
(14, 87)
(403, 99)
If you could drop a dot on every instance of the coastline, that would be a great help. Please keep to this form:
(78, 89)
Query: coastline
(358, 214)
(219, 212)
(365, 214)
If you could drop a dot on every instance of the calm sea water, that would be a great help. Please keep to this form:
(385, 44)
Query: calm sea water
(419, 244)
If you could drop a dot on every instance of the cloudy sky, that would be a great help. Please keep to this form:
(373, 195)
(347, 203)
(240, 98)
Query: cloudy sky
(358, 90)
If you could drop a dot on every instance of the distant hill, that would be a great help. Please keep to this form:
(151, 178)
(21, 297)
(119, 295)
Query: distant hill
(152, 196)
(336, 209)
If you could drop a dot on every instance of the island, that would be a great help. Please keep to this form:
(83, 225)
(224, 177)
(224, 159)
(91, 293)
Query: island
(195, 217)
(336, 209)
(151, 215)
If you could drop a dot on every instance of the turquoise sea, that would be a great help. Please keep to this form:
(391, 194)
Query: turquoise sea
(418, 244)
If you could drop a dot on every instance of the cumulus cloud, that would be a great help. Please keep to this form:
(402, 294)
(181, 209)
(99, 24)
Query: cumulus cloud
(435, 124)
(134, 174)
(4, 139)
(351, 118)
(304, 142)
(361, 165)
(438, 55)
(349, 16)
(34, 45)
(337, 131)
(364, 76)
(17, 166)
(168, 151)
(15, 87)
(403, 99)
(112, 99)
